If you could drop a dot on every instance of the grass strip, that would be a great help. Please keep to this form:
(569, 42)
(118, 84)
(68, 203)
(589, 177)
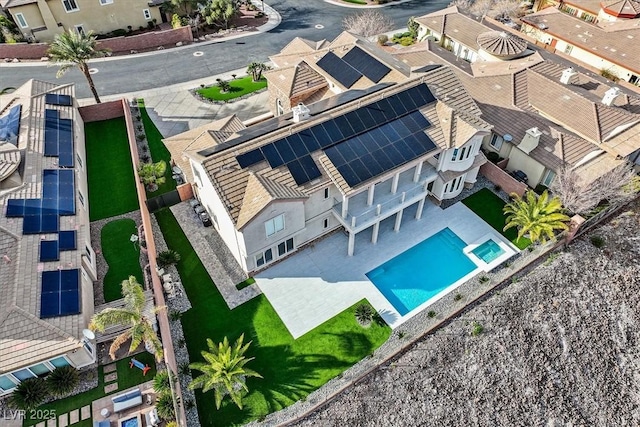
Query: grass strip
(239, 87)
(122, 255)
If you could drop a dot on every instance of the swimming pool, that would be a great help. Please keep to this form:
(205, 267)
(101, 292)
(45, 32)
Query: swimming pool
(488, 251)
(423, 271)
(131, 422)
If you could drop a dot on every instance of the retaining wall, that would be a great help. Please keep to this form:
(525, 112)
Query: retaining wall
(103, 111)
(23, 50)
(503, 179)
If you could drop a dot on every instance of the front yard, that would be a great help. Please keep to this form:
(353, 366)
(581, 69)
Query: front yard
(239, 87)
(291, 368)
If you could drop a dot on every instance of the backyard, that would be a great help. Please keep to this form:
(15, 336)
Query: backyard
(238, 87)
(291, 368)
(122, 255)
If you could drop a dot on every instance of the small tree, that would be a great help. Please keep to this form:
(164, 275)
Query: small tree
(220, 12)
(62, 381)
(537, 216)
(256, 69)
(364, 314)
(367, 23)
(162, 382)
(29, 394)
(413, 27)
(224, 370)
(168, 257)
(152, 174)
(165, 407)
(224, 86)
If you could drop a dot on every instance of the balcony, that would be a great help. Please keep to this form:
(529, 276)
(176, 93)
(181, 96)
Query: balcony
(360, 215)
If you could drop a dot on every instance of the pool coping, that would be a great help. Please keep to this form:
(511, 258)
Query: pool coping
(509, 251)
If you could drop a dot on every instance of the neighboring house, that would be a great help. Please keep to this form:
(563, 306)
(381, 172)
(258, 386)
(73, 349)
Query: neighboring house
(348, 161)
(541, 120)
(41, 20)
(607, 41)
(47, 265)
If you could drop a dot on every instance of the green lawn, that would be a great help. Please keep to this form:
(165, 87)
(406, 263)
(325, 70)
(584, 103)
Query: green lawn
(112, 188)
(158, 151)
(122, 255)
(488, 206)
(239, 87)
(127, 377)
(291, 368)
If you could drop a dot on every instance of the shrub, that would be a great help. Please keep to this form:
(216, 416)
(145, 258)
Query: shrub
(597, 241)
(140, 137)
(63, 380)
(224, 86)
(168, 257)
(174, 315)
(497, 188)
(476, 329)
(164, 406)
(483, 279)
(184, 369)
(540, 189)
(382, 39)
(161, 383)
(431, 314)
(493, 157)
(29, 394)
(609, 75)
(364, 314)
(457, 296)
(402, 334)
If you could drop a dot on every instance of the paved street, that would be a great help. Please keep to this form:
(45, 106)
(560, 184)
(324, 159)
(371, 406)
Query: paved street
(312, 20)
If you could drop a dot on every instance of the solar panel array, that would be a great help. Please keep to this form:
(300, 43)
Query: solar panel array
(56, 99)
(366, 64)
(50, 249)
(60, 294)
(58, 138)
(10, 125)
(339, 70)
(58, 198)
(294, 150)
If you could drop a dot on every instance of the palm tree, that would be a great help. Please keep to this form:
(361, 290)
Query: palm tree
(139, 326)
(537, 216)
(152, 174)
(256, 69)
(73, 49)
(224, 371)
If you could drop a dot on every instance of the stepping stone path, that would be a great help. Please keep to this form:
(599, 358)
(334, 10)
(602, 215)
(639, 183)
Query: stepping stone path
(42, 424)
(74, 416)
(51, 422)
(85, 412)
(63, 420)
(109, 368)
(110, 388)
(111, 377)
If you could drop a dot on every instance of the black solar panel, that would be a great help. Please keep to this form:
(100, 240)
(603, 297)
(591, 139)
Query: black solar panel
(250, 158)
(58, 138)
(56, 99)
(10, 125)
(339, 70)
(60, 293)
(361, 158)
(49, 250)
(67, 240)
(304, 170)
(366, 64)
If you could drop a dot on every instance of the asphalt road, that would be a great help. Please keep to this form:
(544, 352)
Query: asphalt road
(135, 73)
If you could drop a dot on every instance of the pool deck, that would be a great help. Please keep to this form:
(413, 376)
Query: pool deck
(319, 282)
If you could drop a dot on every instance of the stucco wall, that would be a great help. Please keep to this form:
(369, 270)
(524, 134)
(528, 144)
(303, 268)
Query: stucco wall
(518, 160)
(103, 111)
(499, 177)
(23, 50)
(473, 146)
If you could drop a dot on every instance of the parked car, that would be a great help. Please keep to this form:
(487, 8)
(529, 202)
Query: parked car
(206, 219)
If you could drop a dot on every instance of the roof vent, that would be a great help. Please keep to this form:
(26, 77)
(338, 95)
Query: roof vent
(530, 140)
(300, 112)
(565, 78)
(542, 26)
(611, 95)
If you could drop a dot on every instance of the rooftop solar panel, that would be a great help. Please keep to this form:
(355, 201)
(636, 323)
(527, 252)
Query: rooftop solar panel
(67, 240)
(344, 73)
(15, 208)
(304, 170)
(366, 64)
(10, 125)
(57, 99)
(60, 293)
(250, 158)
(49, 250)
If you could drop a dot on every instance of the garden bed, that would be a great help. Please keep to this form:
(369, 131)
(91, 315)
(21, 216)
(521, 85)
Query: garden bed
(241, 88)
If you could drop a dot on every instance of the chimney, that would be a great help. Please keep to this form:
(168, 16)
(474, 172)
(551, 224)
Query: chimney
(566, 75)
(611, 95)
(300, 112)
(530, 140)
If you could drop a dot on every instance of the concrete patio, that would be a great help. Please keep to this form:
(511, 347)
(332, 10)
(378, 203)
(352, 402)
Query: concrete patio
(148, 400)
(321, 281)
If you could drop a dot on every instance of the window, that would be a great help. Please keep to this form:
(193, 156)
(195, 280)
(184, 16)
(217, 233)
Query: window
(568, 49)
(274, 225)
(6, 384)
(285, 247)
(469, 151)
(325, 223)
(103, 2)
(21, 21)
(326, 193)
(59, 362)
(79, 160)
(454, 155)
(548, 179)
(459, 183)
(264, 258)
(23, 374)
(146, 13)
(87, 250)
(496, 141)
(40, 369)
(462, 152)
(70, 5)
(279, 107)
(80, 29)
(81, 197)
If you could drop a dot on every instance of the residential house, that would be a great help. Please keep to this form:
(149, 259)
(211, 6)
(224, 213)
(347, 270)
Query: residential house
(345, 162)
(47, 264)
(605, 41)
(41, 20)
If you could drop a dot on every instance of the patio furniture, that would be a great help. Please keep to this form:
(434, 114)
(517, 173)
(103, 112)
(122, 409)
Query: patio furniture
(104, 413)
(144, 368)
(152, 418)
(127, 400)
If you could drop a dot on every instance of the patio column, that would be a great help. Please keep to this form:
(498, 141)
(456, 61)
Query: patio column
(420, 207)
(417, 172)
(396, 227)
(372, 190)
(374, 235)
(394, 183)
(352, 243)
(345, 205)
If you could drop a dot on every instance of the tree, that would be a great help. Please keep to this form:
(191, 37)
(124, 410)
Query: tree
(166, 258)
(173, 5)
(73, 49)
(164, 406)
(256, 69)
(537, 216)
(578, 196)
(219, 12)
(62, 380)
(152, 174)
(368, 23)
(133, 317)
(162, 381)
(29, 394)
(224, 86)
(413, 27)
(224, 370)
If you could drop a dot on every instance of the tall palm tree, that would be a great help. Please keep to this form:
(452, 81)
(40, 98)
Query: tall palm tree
(139, 326)
(73, 49)
(224, 371)
(256, 69)
(537, 216)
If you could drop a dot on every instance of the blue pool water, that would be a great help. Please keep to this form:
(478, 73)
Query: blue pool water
(488, 251)
(131, 422)
(422, 271)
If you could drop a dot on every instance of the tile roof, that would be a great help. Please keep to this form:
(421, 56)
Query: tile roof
(622, 7)
(14, 3)
(297, 80)
(457, 26)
